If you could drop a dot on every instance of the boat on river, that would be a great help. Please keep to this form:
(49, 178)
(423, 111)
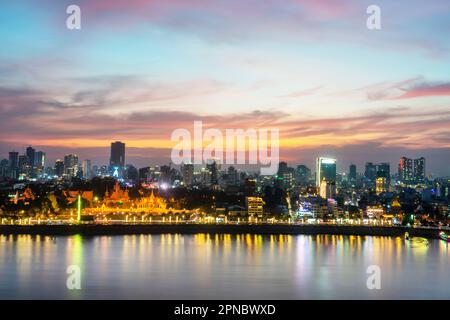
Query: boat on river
(444, 236)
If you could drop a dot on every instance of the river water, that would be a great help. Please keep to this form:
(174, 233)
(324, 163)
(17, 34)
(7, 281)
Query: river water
(225, 266)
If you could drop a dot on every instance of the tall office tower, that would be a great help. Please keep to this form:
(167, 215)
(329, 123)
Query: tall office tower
(187, 172)
(405, 170)
(383, 179)
(325, 170)
(4, 168)
(39, 159)
(117, 158)
(370, 175)
(352, 172)
(303, 174)
(419, 169)
(205, 177)
(59, 168)
(213, 168)
(71, 165)
(86, 168)
(30, 152)
(23, 163)
(326, 177)
(384, 168)
(13, 162)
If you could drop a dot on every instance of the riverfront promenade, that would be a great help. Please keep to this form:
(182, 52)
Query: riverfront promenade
(122, 229)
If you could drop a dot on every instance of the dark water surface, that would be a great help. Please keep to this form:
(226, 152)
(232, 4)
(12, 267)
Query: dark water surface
(206, 266)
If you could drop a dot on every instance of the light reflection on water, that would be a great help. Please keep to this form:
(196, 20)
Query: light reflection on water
(203, 266)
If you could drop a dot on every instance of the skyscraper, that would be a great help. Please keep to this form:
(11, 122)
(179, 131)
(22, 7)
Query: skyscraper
(39, 159)
(13, 161)
(187, 172)
(325, 170)
(59, 168)
(383, 179)
(30, 153)
(213, 168)
(405, 170)
(13, 164)
(303, 174)
(117, 158)
(86, 167)
(326, 177)
(352, 172)
(419, 170)
(71, 165)
(370, 175)
(23, 163)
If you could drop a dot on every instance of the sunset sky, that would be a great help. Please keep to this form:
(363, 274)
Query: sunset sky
(138, 69)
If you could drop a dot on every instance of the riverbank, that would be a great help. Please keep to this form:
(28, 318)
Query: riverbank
(123, 229)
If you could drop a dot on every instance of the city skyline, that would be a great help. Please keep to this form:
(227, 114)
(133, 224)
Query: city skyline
(118, 150)
(331, 90)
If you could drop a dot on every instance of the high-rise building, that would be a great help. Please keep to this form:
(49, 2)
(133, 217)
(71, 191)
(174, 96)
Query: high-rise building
(419, 170)
(381, 185)
(23, 163)
(326, 177)
(352, 172)
(86, 168)
(187, 173)
(4, 168)
(13, 164)
(383, 178)
(71, 165)
(213, 167)
(59, 168)
(325, 170)
(117, 158)
(13, 161)
(370, 175)
(405, 170)
(303, 174)
(30, 153)
(39, 159)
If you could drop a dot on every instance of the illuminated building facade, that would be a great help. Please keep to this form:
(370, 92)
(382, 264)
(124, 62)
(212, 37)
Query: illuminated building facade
(187, 173)
(326, 177)
(382, 185)
(117, 159)
(71, 165)
(119, 201)
(59, 168)
(419, 170)
(405, 170)
(86, 167)
(255, 206)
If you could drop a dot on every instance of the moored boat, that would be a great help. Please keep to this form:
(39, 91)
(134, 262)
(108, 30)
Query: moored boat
(444, 236)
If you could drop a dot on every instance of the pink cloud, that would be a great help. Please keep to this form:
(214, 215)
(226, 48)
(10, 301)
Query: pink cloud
(426, 91)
